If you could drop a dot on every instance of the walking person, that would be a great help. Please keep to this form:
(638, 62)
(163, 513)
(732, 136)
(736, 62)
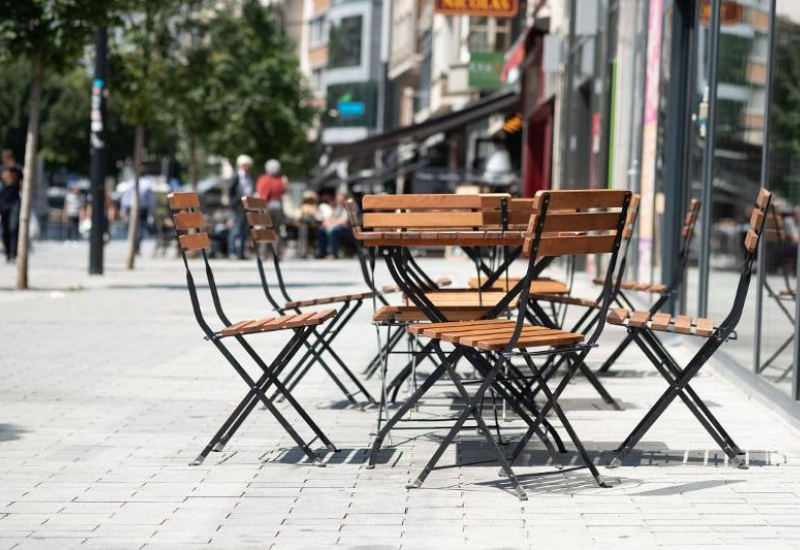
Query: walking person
(10, 182)
(73, 210)
(271, 186)
(241, 185)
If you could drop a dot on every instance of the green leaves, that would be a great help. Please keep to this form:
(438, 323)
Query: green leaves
(56, 31)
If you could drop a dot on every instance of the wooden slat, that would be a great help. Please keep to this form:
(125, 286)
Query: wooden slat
(580, 221)
(617, 315)
(756, 219)
(255, 218)
(183, 200)
(763, 198)
(502, 338)
(188, 220)
(683, 324)
(254, 203)
(660, 321)
(263, 235)
(563, 200)
(573, 245)
(750, 241)
(413, 220)
(704, 327)
(195, 241)
(639, 319)
(559, 339)
(427, 202)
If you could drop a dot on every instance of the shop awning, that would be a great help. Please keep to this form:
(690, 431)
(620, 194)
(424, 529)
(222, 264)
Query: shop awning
(473, 112)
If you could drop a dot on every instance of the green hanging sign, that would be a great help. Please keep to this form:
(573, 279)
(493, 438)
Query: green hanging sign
(485, 69)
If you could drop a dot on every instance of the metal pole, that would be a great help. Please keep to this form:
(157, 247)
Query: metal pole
(708, 161)
(796, 358)
(762, 264)
(98, 169)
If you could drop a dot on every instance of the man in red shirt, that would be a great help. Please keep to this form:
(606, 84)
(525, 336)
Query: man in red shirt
(271, 186)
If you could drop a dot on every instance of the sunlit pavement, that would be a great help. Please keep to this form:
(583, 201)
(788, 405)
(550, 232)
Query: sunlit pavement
(108, 391)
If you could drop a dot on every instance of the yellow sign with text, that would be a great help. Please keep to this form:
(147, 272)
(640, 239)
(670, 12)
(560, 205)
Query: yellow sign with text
(478, 8)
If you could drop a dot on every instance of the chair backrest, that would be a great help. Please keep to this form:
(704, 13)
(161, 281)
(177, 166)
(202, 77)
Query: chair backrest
(192, 237)
(758, 220)
(188, 222)
(262, 229)
(569, 223)
(431, 212)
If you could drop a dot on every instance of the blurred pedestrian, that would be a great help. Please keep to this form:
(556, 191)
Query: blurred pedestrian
(74, 208)
(334, 224)
(146, 207)
(10, 183)
(241, 185)
(271, 186)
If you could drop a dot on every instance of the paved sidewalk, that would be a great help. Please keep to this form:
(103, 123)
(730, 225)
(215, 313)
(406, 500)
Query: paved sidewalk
(107, 391)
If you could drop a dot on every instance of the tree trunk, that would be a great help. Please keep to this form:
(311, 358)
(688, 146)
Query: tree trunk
(133, 216)
(194, 169)
(29, 175)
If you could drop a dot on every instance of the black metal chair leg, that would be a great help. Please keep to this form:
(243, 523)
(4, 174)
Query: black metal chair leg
(410, 402)
(615, 354)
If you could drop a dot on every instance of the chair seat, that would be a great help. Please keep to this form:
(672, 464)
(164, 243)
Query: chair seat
(662, 322)
(788, 292)
(652, 288)
(412, 314)
(440, 282)
(493, 334)
(466, 298)
(561, 299)
(331, 299)
(543, 285)
(270, 324)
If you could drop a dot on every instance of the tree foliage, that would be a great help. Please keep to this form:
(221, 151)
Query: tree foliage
(256, 100)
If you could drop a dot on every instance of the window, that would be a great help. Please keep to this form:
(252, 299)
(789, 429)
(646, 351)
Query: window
(316, 81)
(345, 42)
(318, 31)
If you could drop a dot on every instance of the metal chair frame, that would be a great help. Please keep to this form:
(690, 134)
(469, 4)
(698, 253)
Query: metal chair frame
(490, 365)
(320, 342)
(679, 377)
(256, 388)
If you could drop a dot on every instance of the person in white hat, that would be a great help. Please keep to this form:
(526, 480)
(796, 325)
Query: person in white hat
(271, 186)
(241, 185)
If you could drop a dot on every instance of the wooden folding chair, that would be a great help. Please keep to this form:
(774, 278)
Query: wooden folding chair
(775, 233)
(263, 235)
(642, 325)
(193, 239)
(663, 292)
(488, 344)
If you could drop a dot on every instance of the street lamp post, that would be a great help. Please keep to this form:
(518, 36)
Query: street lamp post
(98, 147)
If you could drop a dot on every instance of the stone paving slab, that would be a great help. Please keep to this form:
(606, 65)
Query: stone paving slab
(108, 391)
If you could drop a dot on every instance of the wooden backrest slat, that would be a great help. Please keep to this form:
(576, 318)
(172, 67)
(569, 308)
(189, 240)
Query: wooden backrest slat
(563, 200)
(429, 202)
(258, 219)
(756, 219)
(414, 220)
(576, 245)
(763, 198)
(183, 200)
(263, 235)
(188, 220)
(750, 241)
(251, 204)
(195, 241)
(581, 221)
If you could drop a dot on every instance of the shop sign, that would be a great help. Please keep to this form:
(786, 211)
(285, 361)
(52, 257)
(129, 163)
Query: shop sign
(485, 69)
(477, 8)
(730, 13)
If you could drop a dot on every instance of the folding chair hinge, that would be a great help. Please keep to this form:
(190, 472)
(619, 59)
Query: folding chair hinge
(213, 337)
